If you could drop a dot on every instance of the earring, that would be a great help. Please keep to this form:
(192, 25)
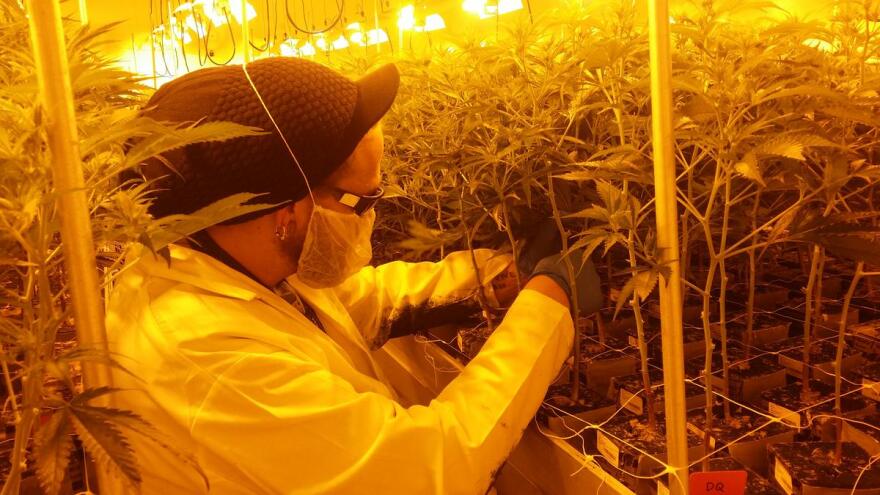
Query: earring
(281, 232)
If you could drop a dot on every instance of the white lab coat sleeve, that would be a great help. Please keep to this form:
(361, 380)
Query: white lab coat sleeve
(391, 295)
(295, 427)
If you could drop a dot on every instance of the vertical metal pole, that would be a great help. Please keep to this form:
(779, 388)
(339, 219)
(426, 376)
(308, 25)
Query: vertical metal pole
(245, 32)
(667, 240)
(56, 94)
(83, 13)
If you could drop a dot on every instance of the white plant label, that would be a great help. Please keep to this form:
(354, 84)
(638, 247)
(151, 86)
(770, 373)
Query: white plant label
(608, 449)
(871, 389)
(786, 415)
(783, 477)
(662, 489)
(632, 341)
(631, 402)
(700, 433)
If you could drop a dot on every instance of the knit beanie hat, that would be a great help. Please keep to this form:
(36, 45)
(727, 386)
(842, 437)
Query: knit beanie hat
(322, 114)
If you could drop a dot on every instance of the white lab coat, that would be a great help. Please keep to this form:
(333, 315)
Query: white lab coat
(270, 404)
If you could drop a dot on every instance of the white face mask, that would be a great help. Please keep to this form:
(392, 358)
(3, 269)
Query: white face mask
(336, 246)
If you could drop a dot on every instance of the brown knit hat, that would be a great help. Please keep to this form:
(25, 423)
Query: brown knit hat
(322, 114)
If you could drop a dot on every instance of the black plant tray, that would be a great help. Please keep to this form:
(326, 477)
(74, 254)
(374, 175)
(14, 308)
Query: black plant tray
(744, 437)
(566, 418)
(767, 328)
(694, 341)
(805, 468)
(865, 433)
(748, 378)
(822, 358)
(788, 404)
(865, 336)
(602, 362)
(629, 391)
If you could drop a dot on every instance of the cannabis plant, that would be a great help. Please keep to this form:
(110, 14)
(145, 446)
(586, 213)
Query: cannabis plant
(40, 360)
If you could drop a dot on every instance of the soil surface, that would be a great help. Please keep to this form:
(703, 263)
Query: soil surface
(741, 422)
(812, 464)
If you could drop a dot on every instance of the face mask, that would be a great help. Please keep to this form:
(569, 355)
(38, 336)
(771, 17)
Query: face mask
(336, 246)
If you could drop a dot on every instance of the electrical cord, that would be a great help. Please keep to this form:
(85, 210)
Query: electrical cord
(340, 5)
(231, 37)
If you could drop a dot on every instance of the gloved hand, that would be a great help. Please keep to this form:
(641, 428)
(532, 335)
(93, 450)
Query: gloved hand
(586, 279)
(545, 241)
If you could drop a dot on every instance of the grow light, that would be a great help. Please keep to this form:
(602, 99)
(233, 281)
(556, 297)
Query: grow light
(235, 10)
(354, 26)
(358, 38)
(406, 19)
(288, 48)
(376, 36)
(483, 9)
(434, 22)
(321, 43)
(308, 50)
(340, 43)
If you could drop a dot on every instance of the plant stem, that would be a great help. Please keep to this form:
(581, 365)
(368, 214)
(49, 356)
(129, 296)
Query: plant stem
(838, 368)
(575, 311)
(808, 320)
(643, 345)
(17, 459)
(750, 304)
(707, 335)
(722, 301)
(506, 211)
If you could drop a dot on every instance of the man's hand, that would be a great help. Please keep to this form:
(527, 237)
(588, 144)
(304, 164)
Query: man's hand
(586, 279)
(505, 287)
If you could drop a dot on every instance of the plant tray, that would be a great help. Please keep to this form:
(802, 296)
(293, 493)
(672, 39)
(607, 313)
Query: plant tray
(601, 362)
(806, 468)
(622, 443)
(870, 380)
(787, 404)
(629, 392)
(767, 329)
(745, 437)
(755, 483)
(866, 336)
(694, 341)
(865, 433)
(566, 418)
(822, 359)
(747, 378)
(767, 297)
(829, 325)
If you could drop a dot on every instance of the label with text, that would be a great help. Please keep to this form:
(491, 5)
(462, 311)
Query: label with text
(700, 433)
(786, 415)
(718, 482)
(631, 402)
(609, 450)
(871, 389)
(783, 477)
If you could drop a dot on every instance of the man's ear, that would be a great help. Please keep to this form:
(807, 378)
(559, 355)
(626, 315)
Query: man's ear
(285, 216)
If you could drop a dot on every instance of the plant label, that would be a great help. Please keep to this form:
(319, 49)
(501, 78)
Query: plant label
(871, 389)
(609, 450)
(631, 402)
(718, 483)
(787, 416)
(700, 433)
(632, 341)
(662, 489)
(783, 477)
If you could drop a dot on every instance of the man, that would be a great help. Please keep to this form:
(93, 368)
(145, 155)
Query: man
(253, 345)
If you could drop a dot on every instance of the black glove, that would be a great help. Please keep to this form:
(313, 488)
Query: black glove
(586, 279)
(545, 241)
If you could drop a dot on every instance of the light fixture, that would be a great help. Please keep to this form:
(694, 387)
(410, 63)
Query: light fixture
(406, 19)
(354, 26)
(235, 10)
(321, 43)
(434, 22)
(376, 36)
(484, 9)
(358, 38)
(308, 50)
(340, 43)
(288, 48)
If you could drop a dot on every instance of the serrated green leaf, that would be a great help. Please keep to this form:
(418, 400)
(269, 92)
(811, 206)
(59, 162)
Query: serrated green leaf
(107, 445)
(53, 443)
(749, 169)
(784, 146)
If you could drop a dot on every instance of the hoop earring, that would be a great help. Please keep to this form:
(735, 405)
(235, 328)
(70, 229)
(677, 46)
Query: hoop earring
(281, 232)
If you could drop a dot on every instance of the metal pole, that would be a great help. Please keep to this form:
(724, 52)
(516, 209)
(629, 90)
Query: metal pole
(56, 94)
(667, 240)
(83, 13)
(245, 33)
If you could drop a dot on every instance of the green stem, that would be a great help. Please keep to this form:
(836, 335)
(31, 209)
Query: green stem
(838, 368)
(808, 320)
(575, 311)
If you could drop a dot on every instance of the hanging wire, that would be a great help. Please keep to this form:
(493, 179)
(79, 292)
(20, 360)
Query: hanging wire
(340, 5)
(231, 37)
(180, 38)
(268, 31)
